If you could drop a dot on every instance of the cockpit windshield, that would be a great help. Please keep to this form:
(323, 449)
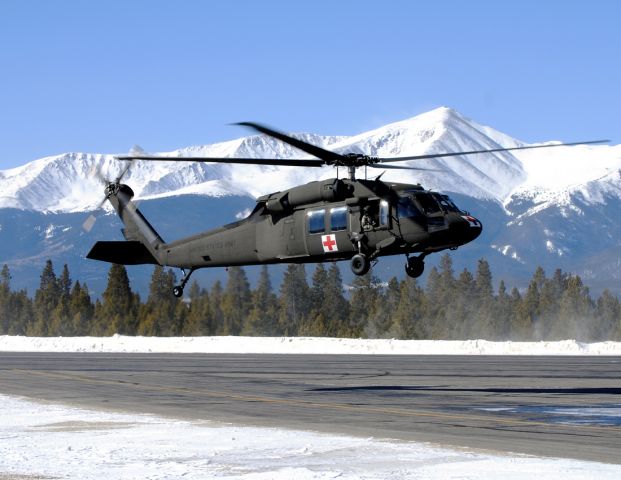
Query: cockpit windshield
(428, 203)
(418, 204)
(447, 203)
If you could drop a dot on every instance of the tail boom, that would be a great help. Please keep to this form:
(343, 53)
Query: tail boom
(143, 244)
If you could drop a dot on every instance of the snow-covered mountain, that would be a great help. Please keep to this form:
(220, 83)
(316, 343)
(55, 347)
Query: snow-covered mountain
(65, 183)
(555, 206)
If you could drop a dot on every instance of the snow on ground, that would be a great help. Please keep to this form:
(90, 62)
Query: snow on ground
(304, 345)
(54, 441)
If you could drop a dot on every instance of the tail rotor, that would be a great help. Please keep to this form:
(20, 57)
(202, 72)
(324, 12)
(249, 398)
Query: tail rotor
(96, 172)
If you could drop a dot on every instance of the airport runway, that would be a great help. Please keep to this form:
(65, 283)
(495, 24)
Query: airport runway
(553, 406)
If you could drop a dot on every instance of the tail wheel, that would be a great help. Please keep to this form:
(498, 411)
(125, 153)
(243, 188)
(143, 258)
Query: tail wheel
(360, 264)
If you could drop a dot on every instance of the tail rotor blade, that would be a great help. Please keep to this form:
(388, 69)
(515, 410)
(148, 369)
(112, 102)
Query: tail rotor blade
(95, 171)
(124, 171)
(89, 223)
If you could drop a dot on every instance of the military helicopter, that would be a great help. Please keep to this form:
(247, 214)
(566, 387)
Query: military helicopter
(327, 220)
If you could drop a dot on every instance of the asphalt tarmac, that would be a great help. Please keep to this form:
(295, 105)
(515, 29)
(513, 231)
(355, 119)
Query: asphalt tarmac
(547, 406)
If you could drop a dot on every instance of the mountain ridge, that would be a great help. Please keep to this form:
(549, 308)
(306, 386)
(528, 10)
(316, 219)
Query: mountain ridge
(65, 183)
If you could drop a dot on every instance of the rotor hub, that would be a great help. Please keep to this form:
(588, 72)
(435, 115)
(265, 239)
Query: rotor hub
(357, 160)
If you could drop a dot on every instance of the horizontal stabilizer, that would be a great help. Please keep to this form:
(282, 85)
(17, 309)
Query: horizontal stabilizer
(122, 253)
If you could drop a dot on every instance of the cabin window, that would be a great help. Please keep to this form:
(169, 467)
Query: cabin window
(316, 221)
(384, 214)
(338, 219)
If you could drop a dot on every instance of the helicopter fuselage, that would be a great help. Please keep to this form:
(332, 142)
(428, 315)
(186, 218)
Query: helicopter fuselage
(327, 220)
(324, 221)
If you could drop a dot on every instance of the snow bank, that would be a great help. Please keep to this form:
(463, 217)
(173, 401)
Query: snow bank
(303, 345)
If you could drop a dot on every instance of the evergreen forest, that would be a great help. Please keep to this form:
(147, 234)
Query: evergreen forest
(450, 306)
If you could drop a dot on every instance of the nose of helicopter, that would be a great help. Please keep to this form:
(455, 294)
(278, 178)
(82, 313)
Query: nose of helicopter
(466, 228)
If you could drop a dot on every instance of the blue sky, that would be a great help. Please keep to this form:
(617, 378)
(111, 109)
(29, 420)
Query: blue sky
(103, 76)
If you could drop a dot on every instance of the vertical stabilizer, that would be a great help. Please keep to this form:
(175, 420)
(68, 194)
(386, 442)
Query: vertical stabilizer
(137, 227)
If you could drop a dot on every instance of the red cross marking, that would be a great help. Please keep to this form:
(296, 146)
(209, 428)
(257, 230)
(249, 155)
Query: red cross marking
(328, 243)
(472, 221)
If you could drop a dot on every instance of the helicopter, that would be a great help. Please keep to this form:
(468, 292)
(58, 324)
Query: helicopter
(353, 219)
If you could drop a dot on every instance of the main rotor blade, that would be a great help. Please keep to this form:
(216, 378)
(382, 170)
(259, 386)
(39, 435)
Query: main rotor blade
(95, 171)
(326, 155)
(472, 152)
(246, 161)
(399, 167)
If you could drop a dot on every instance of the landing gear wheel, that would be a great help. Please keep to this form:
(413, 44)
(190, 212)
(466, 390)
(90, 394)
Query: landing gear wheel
(360, 264)
(178, 290)
(415, 267)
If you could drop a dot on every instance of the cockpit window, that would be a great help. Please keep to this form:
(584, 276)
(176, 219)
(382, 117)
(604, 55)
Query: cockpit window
(428, 203)
(447, 204)
(407, 209)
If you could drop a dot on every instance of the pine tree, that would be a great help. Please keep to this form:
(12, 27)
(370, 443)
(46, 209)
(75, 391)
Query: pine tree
(316, 322)
(236, 301)
(336, 306)
(485, 323)
(549, 305)
(410, 312)
(538, 281)
(577, 310)
(160, 315)
(21, 313)
(60, 322)
(263, 316)
(117, 312)
(5, 299)
(527, 313)
(503, 314)
(440, 293)
(380, 324)
(539, 277)
(318, 287)
(608, 314)
(45, 302)
(363, 302)
(199, 319)
(180, 316)
(329, 308)
(447, 273)
(215, 307)
(81, 310)
(483, 281)
(294, 301)
(515, 313)
(461, 310)
(64, 283)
